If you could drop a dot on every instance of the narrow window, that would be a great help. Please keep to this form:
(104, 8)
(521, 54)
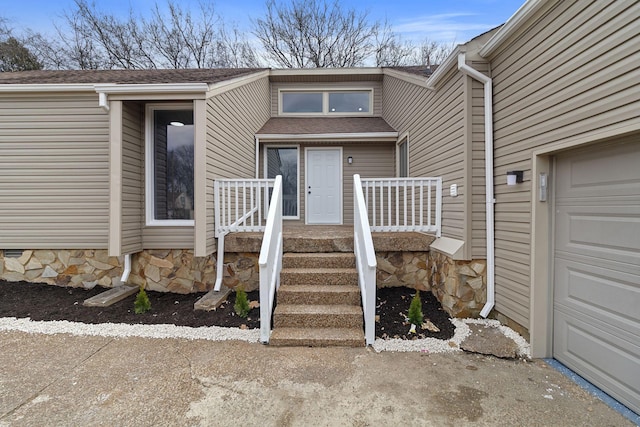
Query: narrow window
(284, 161)
(172, 164)
(403, 158)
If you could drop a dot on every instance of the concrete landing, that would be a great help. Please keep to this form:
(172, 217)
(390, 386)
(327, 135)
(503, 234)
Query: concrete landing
(111, 296)
(489, 340)
(212, 299)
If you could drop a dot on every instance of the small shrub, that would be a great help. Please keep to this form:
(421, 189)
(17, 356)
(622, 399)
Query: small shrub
(142, 303)
(241, 305)
(415, 310)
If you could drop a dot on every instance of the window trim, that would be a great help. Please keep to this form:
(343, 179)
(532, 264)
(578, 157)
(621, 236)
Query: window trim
(325, 101)
(403, 140)
(265, 172)
(150, 220)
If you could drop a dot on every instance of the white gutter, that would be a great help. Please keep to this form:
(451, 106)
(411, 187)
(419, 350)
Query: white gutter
(344, 135)
(127, 269)
(103, 101)
(488, 166)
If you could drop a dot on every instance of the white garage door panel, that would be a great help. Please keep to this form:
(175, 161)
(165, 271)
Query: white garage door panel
(597, 266)
(606, 295)
(586, 350)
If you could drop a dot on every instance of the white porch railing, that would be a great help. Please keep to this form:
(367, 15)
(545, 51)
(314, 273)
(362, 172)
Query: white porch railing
(270, 260)
(241, 204)
(404, 204)
(365, 260)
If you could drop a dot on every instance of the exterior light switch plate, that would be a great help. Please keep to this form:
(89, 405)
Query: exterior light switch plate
(453, 190)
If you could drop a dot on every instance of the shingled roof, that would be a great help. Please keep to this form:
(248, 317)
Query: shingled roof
(324, 125)
(205, 75)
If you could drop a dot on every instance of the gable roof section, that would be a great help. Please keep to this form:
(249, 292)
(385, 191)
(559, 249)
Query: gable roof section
(326, 128)
(209, 76)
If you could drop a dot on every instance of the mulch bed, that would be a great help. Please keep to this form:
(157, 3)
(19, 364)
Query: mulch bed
(47, 302)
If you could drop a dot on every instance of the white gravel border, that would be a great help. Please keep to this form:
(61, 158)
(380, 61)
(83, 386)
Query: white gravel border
(462, 331)
(217, 333)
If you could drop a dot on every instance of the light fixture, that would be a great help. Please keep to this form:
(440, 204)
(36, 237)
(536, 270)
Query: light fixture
(514, 177)
(350, 160)
(176, 124)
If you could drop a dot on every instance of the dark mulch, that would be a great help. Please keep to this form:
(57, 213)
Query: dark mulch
(46, 302)
(393, 307)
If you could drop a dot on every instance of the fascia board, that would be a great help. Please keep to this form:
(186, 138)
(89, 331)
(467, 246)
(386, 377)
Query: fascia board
(512, 25)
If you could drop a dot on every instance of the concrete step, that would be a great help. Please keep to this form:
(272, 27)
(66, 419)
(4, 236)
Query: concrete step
(319, 294)
(313, 242)
(319, 276)
(317, 316)
(319, 260)
(317, 337)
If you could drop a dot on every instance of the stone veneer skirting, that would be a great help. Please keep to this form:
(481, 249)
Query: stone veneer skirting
(460, 286)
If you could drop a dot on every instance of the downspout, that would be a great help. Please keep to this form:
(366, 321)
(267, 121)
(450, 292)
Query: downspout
(488, 166)
(127, 269)
(257, 157)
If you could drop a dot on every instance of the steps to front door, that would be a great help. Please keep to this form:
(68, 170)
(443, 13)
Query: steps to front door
(318, 302)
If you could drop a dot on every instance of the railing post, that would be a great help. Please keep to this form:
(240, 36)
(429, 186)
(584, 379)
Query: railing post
(438, 207)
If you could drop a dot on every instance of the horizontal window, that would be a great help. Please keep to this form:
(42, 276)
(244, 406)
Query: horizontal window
(344, 102)
(302, 102)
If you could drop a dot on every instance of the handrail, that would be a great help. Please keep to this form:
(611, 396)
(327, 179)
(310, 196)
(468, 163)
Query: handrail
(240, 204)
(365, 260)
(404, 204)
(270, 260)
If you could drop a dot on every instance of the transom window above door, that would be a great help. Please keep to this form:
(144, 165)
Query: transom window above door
(338, 102)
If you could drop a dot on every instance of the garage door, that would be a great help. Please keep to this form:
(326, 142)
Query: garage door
(597, 267)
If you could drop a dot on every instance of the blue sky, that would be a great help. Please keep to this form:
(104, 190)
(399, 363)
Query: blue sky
(444, 21)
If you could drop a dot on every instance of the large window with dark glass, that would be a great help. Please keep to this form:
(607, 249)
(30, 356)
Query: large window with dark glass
(284, 161)
(172, 164)
(403, 158)
(302, 102)
(348, 102)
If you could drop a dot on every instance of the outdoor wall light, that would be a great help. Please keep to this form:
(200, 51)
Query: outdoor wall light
(350, 160)
(178, 124)
(514, 177)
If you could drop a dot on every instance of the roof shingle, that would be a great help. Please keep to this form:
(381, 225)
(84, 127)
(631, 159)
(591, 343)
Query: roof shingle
(204, 75)
(322, 125)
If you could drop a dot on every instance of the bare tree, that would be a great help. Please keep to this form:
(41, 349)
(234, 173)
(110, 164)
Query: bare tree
(315, 33)
(390, 49)
(171, 38)
(431, 52)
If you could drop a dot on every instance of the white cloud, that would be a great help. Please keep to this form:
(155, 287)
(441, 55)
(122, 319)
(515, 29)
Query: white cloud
(445, 27)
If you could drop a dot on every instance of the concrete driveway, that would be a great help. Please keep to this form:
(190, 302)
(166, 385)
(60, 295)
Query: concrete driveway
(65, 380)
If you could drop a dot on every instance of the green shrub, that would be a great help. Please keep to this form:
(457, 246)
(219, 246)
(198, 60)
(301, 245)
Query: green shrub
(415, 310)
(242, 303)
(142, 303)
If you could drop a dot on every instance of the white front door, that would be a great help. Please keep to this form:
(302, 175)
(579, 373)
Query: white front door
(323, 185)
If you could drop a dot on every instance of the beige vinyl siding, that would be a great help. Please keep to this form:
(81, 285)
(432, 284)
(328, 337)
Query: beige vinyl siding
(572, 73)
(132, 177)
(375, 85)
(233, 118)
(478, 188)
(54, 179)
(370, 161)
(434, 121)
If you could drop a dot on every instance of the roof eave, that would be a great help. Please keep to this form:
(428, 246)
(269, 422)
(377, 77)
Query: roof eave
(512, 25)
(328, 136)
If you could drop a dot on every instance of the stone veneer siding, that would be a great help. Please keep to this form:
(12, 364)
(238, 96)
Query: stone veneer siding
(460, 286)
(78, 268)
